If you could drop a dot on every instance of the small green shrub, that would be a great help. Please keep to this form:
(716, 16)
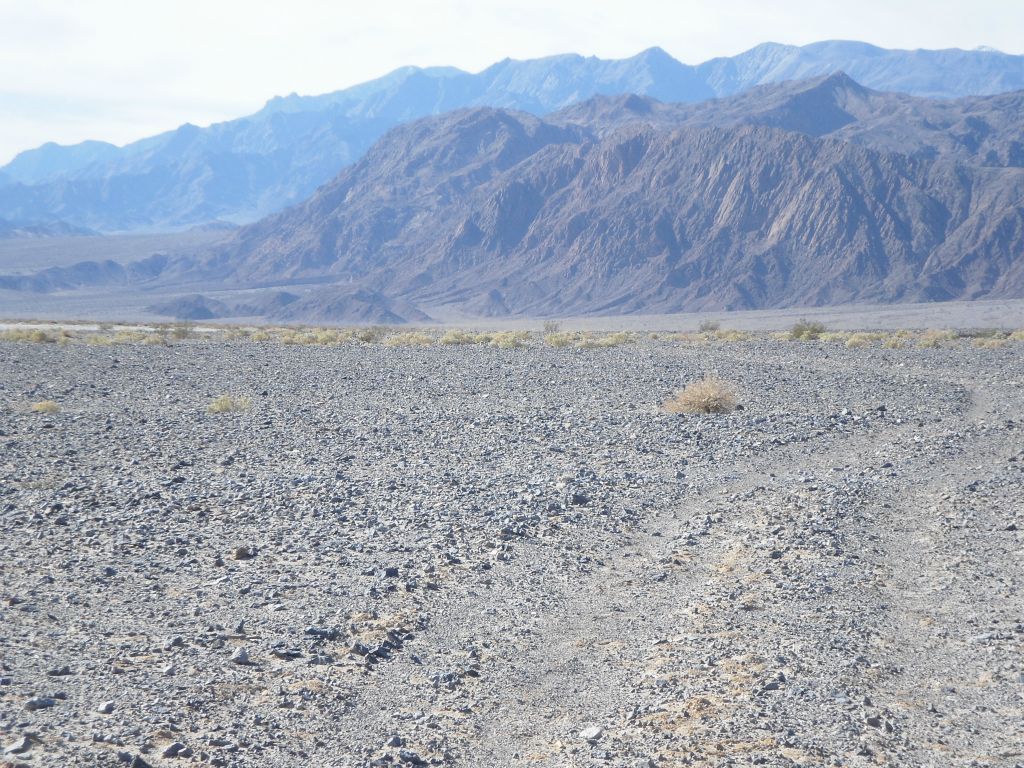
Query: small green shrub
(806, 330)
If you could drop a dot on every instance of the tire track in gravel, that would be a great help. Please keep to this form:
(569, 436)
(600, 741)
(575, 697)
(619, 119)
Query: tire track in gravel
(709, 584)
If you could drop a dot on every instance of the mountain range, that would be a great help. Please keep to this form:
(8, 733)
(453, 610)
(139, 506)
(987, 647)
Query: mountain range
(243, 169)
(811, 192)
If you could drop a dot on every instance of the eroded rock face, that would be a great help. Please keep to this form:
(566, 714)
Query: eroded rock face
(820, 192)
(428, 587)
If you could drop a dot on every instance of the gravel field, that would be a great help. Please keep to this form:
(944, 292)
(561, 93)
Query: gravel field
(471, 556)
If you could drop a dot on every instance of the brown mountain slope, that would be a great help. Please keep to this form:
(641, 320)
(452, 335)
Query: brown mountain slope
(498, 212)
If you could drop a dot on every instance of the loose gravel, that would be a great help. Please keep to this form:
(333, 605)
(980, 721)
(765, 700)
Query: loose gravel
(471, 556)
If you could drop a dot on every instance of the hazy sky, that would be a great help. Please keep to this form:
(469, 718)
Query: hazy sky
(119, 70)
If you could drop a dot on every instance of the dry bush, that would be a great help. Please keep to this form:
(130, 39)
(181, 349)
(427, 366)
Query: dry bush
(509, 339)
(455, 337)
(409, 339)
(602, 342)
(128, 337)
(893, 342)
(933, 338)
(370, 334)
(982, 333)
(155, 339)
(259, 335)
(229, 404)
(560, 339)
(99, 340)
(840, 337)
(806, 330)
(709, 326)
(997, 343)
(708, 395)
(1017, 336)
(552, 326)
(732, 335)
(45, 406)
(182, 330)
(34, 335)
(859, 340)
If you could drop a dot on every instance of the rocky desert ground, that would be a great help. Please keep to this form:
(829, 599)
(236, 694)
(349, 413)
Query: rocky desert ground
(509, 554)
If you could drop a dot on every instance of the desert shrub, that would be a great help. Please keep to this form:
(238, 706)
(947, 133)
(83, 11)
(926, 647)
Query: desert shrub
(995, 343)
(732, 335)
(859, 340)
(229, 404)
(34, 335)
(707, 395)
(259, 335)
(45, 406)
(409, 339)
(981, 333)
(603, 342)
(806, 330)
(559, 339)
(709, 326)
(455, 337)
(1017, 336)
(154, 339)
(690, 338)
(370, 334)
(615, 339)
(128, 337)
(551, 326)
(509, 339)
(99, 340)
(893, 342)
(182, 330)
(932, 338)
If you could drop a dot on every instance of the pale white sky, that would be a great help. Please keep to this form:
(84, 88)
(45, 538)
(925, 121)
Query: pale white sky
(119, 70)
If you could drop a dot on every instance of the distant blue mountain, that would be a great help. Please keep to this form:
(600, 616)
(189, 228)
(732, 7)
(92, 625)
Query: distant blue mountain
(243, 169)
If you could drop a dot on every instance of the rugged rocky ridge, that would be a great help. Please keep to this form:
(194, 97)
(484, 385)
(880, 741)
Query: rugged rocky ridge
(243, 169)
(789, 195)
(626, 205)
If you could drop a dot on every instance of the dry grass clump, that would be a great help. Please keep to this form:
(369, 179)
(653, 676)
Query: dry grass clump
(696, 339)
(409, 339)
(727, 334)
(509, 339)
(933, 338)
(455, 338)
(603, 342)
(1016, 336)
(709, 326)
(806, 330)
(229, 404)
(155, 339)
(859, 340)
(552, 326)
(708, 395)
(996, 343)
(99, 340)
(34, 335)
(893, 342)
(45, 406)
(259, 335)
(560, 339)
(371, 334)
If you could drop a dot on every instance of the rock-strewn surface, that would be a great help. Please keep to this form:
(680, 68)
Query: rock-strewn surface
(482, 557)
